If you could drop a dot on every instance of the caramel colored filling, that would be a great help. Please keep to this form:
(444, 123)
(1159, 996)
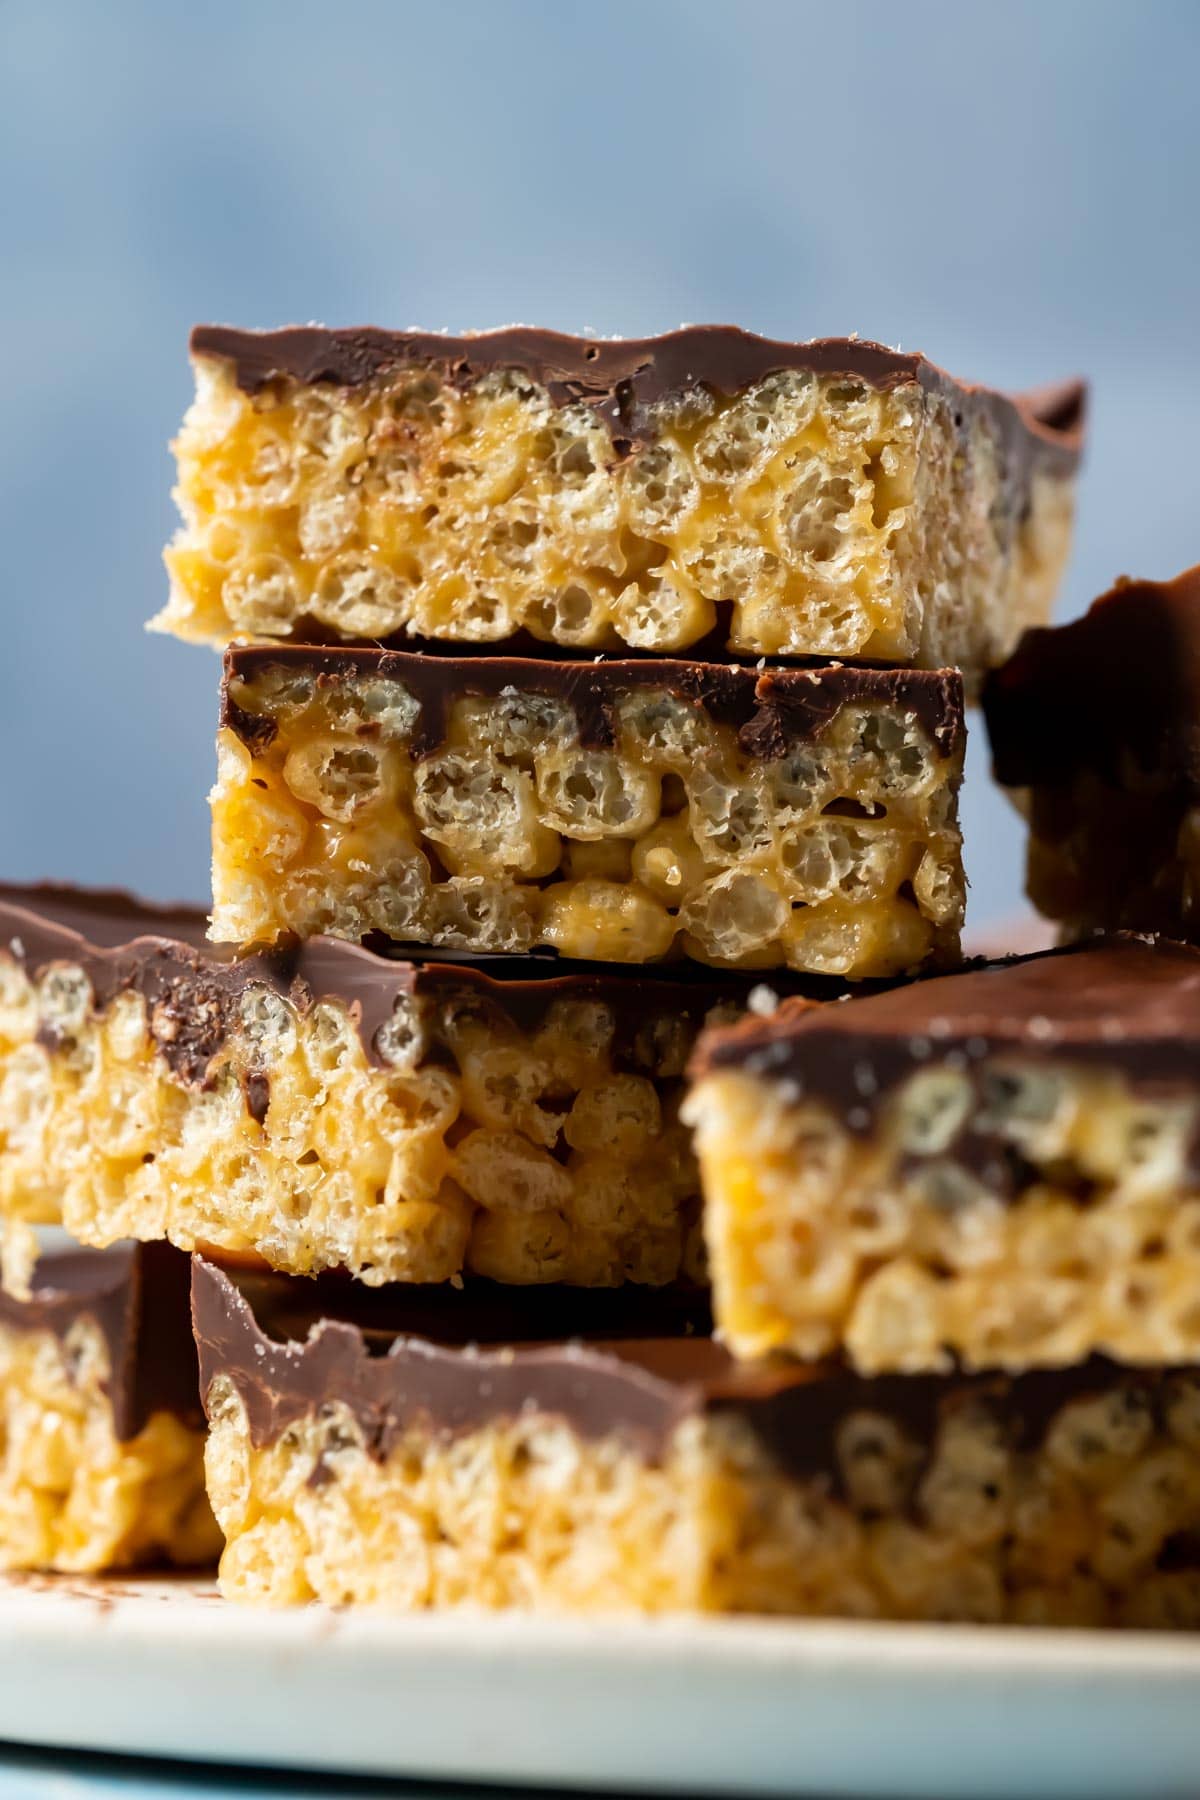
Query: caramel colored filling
(841, 857)
(887, 1247)
(1079, 1529)
(73, 1496)
(526, 1155)
(834, 518)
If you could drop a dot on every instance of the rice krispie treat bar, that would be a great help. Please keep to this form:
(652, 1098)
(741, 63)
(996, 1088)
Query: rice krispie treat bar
(1093, 727)
(101, 1432)
(1000, 1166)
(323, 1106)
(707, 487)
(362, 1465)
(623, 811)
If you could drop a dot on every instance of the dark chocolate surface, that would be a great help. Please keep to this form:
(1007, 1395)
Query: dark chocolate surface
(123, 944)
(623, 379)
(107, 917)
(194, 989)
(637, 1388)
(771, 709)
(477, 1311)
(1121, 683)
(137, 1297)
(1121, 1003)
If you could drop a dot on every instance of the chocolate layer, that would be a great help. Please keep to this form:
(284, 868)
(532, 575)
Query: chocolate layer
(137, 1298)
(1116, 1003)
(639, 1389)
(194, 990)
(770, 709)
(124, 944)
(477, 1311)
(1120, 684)
(107, 917)
(624, 379)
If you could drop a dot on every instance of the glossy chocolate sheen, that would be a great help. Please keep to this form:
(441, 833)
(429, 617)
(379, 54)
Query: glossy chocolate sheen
(124, 944)
(639, 1389)
(137, 1298)
(194, 989)
(624, 379)
(1120, 684)
(1117, 1003)
(770, 709)
(106, 917)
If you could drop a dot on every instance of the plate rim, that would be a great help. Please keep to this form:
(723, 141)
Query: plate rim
(759, 1705)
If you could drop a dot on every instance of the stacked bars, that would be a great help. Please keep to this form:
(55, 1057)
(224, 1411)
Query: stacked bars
(100, 1423)
(1094, 727)
(621, 811)
(323, 1106)
(995, 1169)
(707, 492)
(708, 487)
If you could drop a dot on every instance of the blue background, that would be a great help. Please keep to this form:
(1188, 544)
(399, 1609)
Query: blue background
(1012, 189)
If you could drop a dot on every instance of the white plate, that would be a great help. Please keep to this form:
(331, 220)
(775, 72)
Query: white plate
(681, 1705)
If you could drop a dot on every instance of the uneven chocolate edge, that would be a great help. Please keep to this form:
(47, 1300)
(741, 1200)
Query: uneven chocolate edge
(123, 944)
(712, 647)
(390, 1379)
(637, 1389)
(107, 917)
(1121, 682)
(770, 709)
(193, 989)
(137, 1298)
(476, 1311)
(1116, 1003)
(624, 379)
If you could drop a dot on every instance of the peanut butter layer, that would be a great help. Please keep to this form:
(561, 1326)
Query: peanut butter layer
(321, 1105)
(708, 487)
(137, 1298)
(626, 811)
(100, 1422)
(998, 1167)
(363, 1465)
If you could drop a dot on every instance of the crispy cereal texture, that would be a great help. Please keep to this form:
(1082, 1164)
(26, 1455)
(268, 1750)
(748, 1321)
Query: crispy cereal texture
(840, 857)
(1076, 1531)
(527, 1156)
(878, 1245)
(834, 518)
(72, 1495)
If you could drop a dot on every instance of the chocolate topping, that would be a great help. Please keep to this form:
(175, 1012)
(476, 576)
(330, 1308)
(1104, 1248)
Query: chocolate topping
(638, 1389)
(107, 917)
(1117, 1003)
(137, 1297)
(194, 990)
(1121, 682)
(390, 1381)
(771, 709)
(478, 1311)
(624, 379)
(125, 944)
